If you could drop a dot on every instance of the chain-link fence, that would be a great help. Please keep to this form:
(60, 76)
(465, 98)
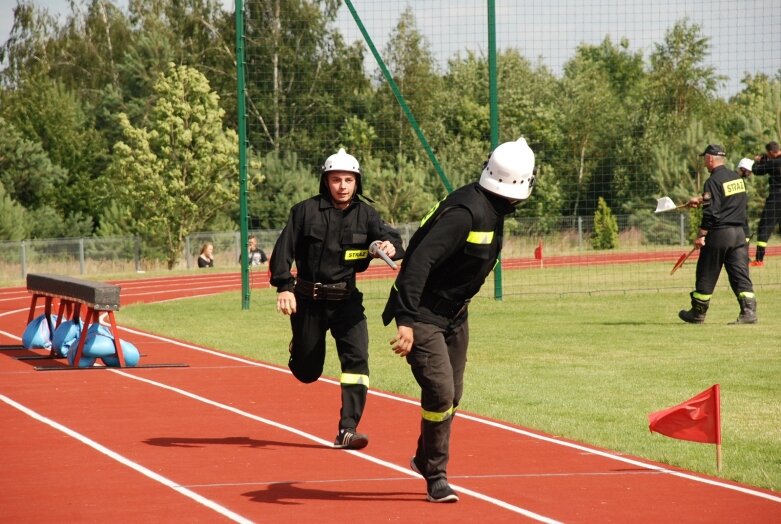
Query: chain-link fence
(616, 99)
(558, 256)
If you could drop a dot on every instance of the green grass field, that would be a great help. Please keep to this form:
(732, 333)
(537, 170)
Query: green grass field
(588, 367)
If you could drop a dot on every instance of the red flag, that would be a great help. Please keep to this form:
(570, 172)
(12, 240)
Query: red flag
(698, 419)
(538, 251)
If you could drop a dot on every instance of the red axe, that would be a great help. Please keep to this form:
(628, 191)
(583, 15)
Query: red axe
(682, 259)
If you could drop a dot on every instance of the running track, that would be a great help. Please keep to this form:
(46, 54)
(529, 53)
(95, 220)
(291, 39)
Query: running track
(230, 439)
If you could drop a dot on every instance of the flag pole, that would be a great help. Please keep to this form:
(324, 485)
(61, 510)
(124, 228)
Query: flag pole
(717, 394)
(718, 458)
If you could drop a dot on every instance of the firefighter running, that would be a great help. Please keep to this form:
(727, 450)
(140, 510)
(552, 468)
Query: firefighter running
(328, 237)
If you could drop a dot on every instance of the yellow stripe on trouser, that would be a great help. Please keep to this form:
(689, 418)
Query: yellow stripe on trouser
(701, 296)
(353, 379)
(435, 416)
(761, 244)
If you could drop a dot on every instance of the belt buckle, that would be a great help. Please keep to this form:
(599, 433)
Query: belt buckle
(315, 287)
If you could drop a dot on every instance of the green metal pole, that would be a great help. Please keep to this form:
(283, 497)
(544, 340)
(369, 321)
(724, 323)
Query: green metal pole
(242, 123)
(493, 98)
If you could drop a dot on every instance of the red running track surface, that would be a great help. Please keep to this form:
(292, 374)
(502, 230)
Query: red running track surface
(231, 439)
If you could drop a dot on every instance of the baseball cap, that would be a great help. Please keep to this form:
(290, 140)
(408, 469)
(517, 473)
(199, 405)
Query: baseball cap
(715, 150)
(746, 163)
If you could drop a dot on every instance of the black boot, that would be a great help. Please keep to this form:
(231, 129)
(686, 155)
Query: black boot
(696, 315)
(748, 311)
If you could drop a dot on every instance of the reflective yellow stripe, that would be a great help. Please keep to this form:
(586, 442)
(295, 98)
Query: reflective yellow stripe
(734, 187)
(353, 379)
(356, 254)
(428, 215)
(480, 237)
(746, 294)
(761, 244)
(434, 416)
(700, 296)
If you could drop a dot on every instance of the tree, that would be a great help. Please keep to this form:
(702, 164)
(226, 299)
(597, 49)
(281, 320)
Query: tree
(605, 234)
(176, 174)
(396, 190)
(33, 182)
(758, 108)
(589, 118)
(286, 182)
(303, 82)
(676, 164)
(681, 84)
(408, 57)
(47, 112)
(27, 174)
(620, 175)
(27, 49)
(13, 218)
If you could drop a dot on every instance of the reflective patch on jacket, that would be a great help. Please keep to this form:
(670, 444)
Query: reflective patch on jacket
(734, 187)
(351, 255)
(480, 237)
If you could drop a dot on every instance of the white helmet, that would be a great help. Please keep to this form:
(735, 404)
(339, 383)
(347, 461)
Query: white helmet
(746, 163)
(341, 161)
(509, 171)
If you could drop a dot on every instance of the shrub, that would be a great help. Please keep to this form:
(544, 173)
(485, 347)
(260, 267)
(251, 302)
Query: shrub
(605, 235)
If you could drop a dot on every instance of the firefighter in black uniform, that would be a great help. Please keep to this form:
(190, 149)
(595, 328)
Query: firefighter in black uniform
(744, 170)
(446, 263)
(721, 240)
(770, 165)
(329, 238)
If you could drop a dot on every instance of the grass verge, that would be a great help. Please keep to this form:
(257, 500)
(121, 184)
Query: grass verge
(585, 367)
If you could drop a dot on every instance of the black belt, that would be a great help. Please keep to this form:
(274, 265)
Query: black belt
(318, 291)
(443, 306)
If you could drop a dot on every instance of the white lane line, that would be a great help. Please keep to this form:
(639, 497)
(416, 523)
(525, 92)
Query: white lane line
(14, 311)
(610, 456)
(318, 440)
(626, 460)
(19, 297)
(387, 479)
(10, 335)
(129, 463)
(228, 287)
(499, 425)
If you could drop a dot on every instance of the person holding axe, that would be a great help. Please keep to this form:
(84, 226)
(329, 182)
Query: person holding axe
(331, 237)
(721, 240)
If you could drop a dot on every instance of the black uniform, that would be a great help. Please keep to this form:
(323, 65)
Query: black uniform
(446, 263)
(329, 246)
(771, 214)
(725, 243)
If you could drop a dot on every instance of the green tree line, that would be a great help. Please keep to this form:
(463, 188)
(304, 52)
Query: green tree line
(121, 120)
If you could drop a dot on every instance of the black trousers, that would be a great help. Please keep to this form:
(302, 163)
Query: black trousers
(347, 322)
(438, 361)
(771, 216)
(725, 248)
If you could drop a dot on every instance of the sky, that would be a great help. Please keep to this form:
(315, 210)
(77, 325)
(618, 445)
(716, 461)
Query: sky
(745, 35)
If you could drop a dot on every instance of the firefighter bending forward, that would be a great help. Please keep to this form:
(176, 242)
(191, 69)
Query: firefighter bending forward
(328, 236)
(446, 263)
